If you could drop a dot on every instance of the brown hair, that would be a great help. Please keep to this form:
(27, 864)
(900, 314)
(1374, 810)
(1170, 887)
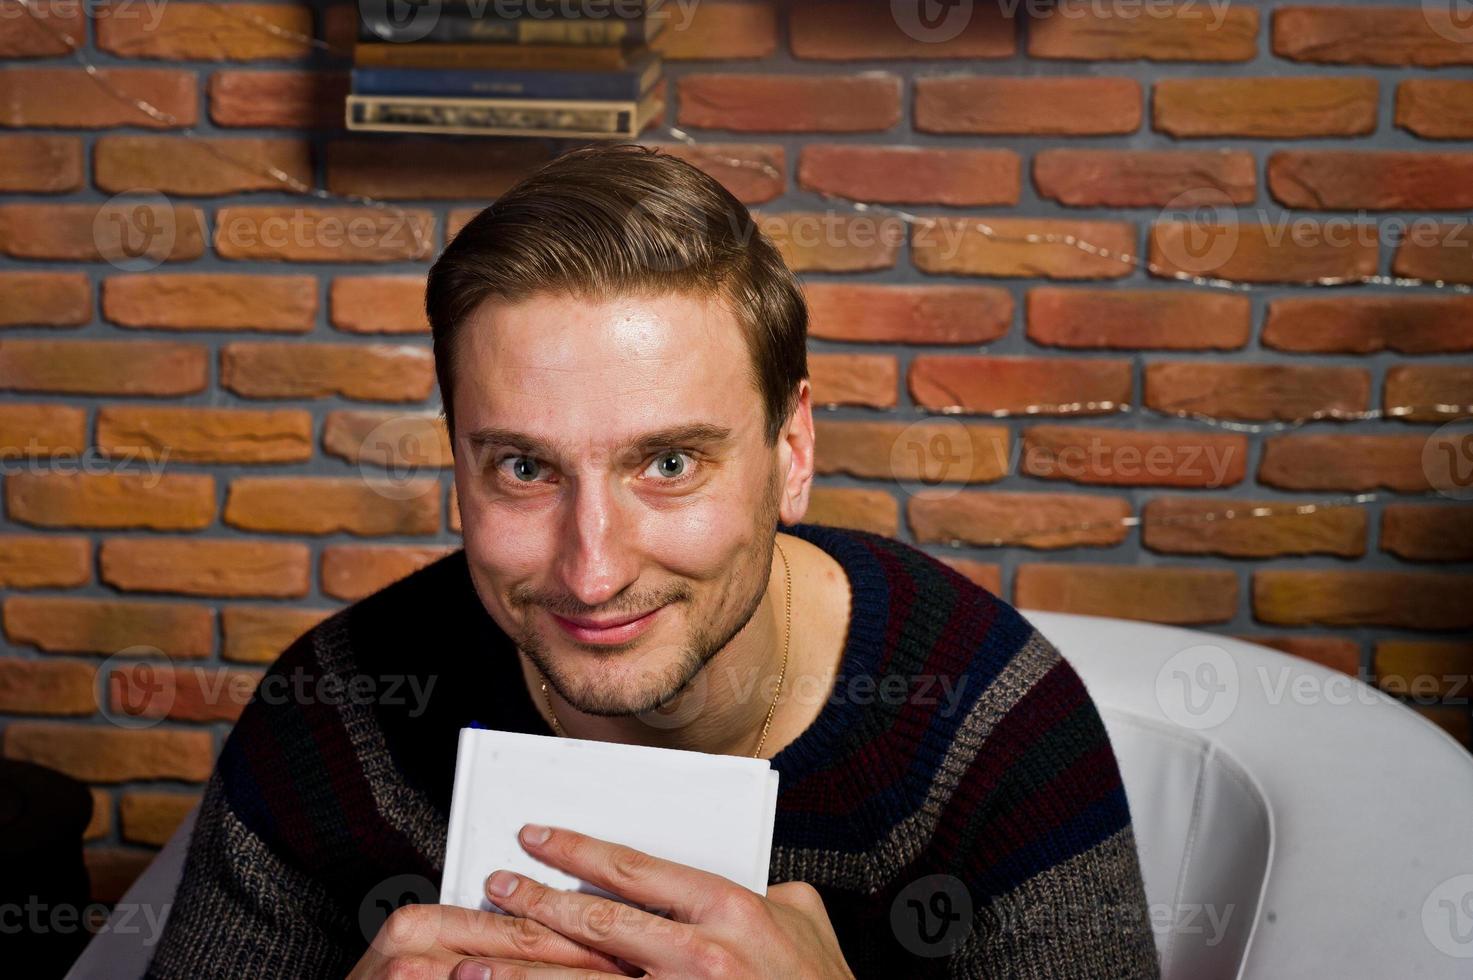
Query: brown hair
(613, 219)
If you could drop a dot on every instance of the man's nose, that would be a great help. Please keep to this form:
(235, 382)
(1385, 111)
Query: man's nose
(599, 553)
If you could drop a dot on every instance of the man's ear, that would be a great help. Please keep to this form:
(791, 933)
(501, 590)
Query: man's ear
(795, 458)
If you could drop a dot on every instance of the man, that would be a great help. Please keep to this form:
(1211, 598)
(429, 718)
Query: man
(622, 362)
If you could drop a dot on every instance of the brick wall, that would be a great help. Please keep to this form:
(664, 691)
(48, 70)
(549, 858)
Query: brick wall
(217, 397)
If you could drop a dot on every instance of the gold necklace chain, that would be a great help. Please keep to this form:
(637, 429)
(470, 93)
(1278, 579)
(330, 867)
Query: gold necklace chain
(787, 637)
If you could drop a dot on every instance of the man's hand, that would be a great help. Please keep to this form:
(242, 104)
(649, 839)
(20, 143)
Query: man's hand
(714, 928)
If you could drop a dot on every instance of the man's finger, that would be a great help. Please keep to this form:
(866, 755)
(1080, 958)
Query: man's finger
(488, 968)
(423, 929)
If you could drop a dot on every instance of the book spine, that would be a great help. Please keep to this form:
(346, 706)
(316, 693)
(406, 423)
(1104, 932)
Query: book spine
(493, 56)
(462, 26)
(490, 116)
(526, 84)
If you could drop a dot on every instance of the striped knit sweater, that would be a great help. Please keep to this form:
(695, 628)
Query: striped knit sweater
(974, 826)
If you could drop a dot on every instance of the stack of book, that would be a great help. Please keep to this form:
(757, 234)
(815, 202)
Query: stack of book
(497, 68)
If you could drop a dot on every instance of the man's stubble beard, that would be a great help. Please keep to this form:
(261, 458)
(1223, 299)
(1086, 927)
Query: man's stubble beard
(705, 643)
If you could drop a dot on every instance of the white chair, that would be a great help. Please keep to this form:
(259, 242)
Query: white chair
(1290, 820)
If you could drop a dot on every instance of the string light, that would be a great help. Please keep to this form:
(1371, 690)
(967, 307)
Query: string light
(423, 249)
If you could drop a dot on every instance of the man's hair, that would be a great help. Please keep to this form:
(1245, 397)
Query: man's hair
(614, 219)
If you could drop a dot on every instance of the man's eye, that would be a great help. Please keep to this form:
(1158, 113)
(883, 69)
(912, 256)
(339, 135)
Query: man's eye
(671, 465)
(523, 469)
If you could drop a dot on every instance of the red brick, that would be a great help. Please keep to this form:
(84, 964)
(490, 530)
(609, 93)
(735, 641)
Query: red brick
(842, 30)
(859, 509)
(29, 561)
(1336, 180)
(180, 694)
(104, 754)
(1407, 324)
(718, 29)
(1041, 521)
(1425, 35)
(1007, 384)
(1440, 250)
(1083, 30)
(1176, 594)
(927, 452)
(1137, 178)
(278, 99)
(1068, 249)
(1265, 107)
(878, 313)
(35, 34)
(870, 380)
(44, 299)
(41, 431)
(1238, 528)
(327, 505)
(1434, 392)
(62, 624)
(1428, 532)
(1297, 250)
(198, 167)
(102, 232)
(1424, 668)
(353, 571)
(379, 304)
(404, 442)
(1436, 108)
(102, 367)
(430, 170)
(205, 435)
(989, 105)
(753, 172)
(259, 634)
(152, 818)
(367, 372)
(102, 815)
(153, 500)
(47, 687)
(1256, 391)
(113, 870)
(208, 567)
(790, 103)
(1139, 319)
(211, 301)
(206, 32)
(38, 164)
(1127, 457)
(1345, 462)
(66, 97)
(833, 241)
(911, 174)
(323, 234)
(1406, 600)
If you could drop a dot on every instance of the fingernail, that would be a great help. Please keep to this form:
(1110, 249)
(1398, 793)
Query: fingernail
(473, 971)
(534, 833)
(502, 884)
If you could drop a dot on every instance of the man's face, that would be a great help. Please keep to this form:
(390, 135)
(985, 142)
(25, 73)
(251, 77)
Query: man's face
(585, 521)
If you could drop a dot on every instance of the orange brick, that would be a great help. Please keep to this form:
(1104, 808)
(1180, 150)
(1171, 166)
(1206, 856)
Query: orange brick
(205, 435)
(1407, 324)
(278, 99)
(995, 106)
(101, 823)
(205, 32)
(1081, 30)
(354, 571)
(430, 170)
(1256, 391)
(1138, 318)
(323, 234)
(195, 301)
(1427, 35)
(871, 380)
(29, 561)
(66, 97)
(878, 313)
(1345, 462)
(911, 174)
(1425, 668)
(1336, 180)
(1032, 385)
(379, 304)
(104, 754)
(327, 505)
(1436, 108)
(259, 634)
(1433, 393)
(41, 431)
(960, 246)
(201, 566)
(841, 30)
(38, 164)
(152, 818)
(718, 29)
(790, 103)
(1027, 520)
(103, 232)
(1442, 250)
(1302, 250)
(369, 372)
(860, 509)
(40, 33)
(752, 172)
(1428, 532)
(1136, 178)
(404, 443)
(198, 167)
(144, 690)
(60, 624)
(47, 687)
(1406, 600)
(1265, 107)
(40, 299)
(928, 451)
(1175, 594)
(986, 574)
(102, 367)
(157, 501)
(1240, 528)
(833, 241)
(1127, 457)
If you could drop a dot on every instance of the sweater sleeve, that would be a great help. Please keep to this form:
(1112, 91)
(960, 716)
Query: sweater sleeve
(1053, 875)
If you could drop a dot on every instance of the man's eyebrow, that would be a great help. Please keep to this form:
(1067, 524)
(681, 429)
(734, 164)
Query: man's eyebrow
(695, 434)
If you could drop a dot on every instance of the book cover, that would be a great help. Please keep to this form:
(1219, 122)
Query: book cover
(582, 119)
(626, 83)
(481, 24)
(503, 56)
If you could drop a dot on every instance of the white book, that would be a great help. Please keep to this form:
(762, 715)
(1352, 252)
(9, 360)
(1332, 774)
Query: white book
(713, 812)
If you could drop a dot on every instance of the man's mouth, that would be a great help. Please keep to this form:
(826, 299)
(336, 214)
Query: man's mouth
(618, 629)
